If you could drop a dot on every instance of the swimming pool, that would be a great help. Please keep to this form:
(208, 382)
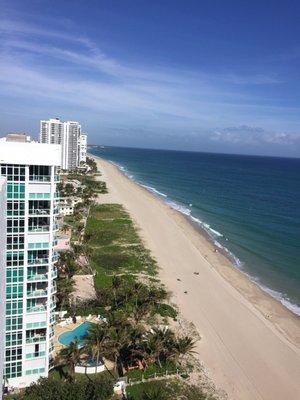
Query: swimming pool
(78, 333)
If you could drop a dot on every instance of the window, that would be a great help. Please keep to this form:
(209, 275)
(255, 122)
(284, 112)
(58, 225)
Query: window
(14, 275)
(13, 339)
(14, 259)
(13, 370)
(14, 307)
(16, 191)
(14, 323)
(15, 243)
(15, 225)
(13, 173)
(14, 291)
(13, 354)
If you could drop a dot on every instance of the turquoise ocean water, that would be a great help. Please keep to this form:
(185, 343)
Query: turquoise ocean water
(248, 205)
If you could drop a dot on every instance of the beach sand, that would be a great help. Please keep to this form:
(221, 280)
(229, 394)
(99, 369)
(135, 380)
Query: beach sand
(249, 342)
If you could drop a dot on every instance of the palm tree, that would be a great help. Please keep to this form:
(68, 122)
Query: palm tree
(96, 341)
(158, 343)
(71, 356)
(183, 346)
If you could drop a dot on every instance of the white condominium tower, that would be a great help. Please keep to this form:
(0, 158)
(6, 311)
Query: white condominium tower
(2, 272)
(69, 135)
(30, 170)
(82, 148)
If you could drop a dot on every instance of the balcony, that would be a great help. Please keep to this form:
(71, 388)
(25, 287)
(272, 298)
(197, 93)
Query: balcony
(54, 273)
(38, 228)
(53, 289)
(55, 257)
(37, 293)
(36, 308)
(39, 178)
(38, 261)
(37, 277)
(38, 338)
(39, 212)
(35, 355)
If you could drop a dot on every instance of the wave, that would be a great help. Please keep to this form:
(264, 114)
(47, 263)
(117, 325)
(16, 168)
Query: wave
(153, 190)
(283, 299)
(214, 234)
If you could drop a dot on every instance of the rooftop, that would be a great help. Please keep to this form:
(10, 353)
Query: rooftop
(20, 151)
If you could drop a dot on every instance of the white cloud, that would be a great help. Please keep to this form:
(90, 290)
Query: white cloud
(54, 70)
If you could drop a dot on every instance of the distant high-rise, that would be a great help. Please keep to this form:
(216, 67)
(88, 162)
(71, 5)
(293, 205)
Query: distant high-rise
(82, 147)
(30, 170)
(68, 135)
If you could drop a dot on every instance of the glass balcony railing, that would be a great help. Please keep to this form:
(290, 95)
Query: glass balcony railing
(37, 293)
(36, 339)
(38, 261)
(39, 178)
(36, 308)
(35, 355)
(35, 229)
(39, 211)
(54, 273)
(37, 277)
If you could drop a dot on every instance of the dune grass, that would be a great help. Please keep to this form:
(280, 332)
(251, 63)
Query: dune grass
(114, 245)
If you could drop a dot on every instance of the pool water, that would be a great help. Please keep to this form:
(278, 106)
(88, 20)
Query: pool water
(78, 333)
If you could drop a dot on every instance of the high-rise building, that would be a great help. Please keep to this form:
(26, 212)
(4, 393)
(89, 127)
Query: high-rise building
(2, 272)
(68, 135)
(82, 148)
(30, 170)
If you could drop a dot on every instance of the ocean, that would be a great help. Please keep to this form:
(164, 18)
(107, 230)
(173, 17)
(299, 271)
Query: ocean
(248, 205)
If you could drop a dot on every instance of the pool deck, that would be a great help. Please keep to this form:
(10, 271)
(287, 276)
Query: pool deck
(58, 330)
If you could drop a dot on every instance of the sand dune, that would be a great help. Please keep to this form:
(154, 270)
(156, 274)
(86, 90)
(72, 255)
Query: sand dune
(249, 341)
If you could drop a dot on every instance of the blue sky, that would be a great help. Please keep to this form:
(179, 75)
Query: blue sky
(209, 75)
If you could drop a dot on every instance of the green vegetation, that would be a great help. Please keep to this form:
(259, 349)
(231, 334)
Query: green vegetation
(94, 387)
(166, 390)
(114, 245)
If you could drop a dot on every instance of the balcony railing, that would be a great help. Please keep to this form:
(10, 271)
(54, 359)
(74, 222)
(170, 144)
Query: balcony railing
(37, 277)
(38, 261)
(36, 339)
(39, 211)
(54, 273)
(37, 308)
(35, 355)
(37, 293)
(35, 229)
(55, 258)
(39, 178)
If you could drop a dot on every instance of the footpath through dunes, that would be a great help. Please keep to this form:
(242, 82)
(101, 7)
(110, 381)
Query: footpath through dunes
(242, 350)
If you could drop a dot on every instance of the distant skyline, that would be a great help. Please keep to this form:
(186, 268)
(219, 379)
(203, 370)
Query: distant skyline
(208, 76)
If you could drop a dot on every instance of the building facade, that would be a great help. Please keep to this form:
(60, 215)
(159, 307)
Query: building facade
(2, 272)
(82, 148)
(68, 135)
(30, 170)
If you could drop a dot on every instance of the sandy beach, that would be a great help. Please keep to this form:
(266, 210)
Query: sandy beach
(249, 342)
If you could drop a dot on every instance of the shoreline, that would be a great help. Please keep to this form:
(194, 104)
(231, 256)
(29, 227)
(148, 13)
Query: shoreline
(263, 311)
(219, 248)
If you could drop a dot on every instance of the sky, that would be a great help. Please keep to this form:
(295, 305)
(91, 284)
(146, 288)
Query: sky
(209, 75)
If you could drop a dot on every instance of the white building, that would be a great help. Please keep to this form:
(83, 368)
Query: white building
(68, 135)
(67, 205)
(31, 173)
(82, 148)
(2, 272)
